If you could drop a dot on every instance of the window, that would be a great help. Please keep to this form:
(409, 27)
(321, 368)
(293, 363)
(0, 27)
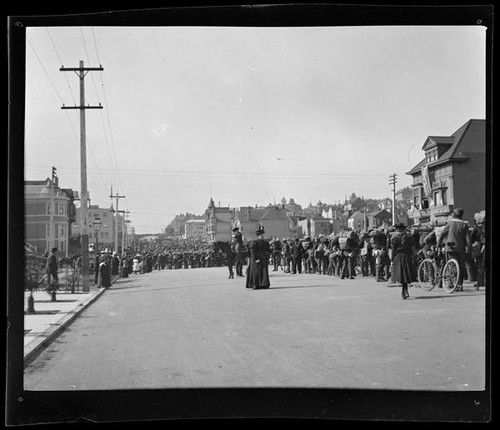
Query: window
(437, 198)
(49, 211)
(61, 208)
(431, 155)
(416, 197)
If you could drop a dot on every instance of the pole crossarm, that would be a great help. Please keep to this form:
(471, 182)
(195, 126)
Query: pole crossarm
(81, 69)
(81, 107)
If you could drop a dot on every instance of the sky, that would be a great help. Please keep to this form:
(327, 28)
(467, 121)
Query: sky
(245, 115)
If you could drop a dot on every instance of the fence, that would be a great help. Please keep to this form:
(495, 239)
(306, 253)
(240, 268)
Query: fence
(69, 274)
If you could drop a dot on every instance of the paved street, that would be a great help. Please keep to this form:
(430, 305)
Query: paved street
(196, 328)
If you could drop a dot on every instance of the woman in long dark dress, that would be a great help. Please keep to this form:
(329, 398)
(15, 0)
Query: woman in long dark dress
(258, 269)
(403, 270)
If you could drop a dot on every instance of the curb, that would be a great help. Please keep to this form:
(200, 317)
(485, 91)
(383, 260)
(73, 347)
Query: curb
(62, 324)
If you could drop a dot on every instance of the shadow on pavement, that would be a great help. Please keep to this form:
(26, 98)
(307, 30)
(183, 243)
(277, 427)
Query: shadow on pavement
(273, 287)
(56, 301)
(447, 296)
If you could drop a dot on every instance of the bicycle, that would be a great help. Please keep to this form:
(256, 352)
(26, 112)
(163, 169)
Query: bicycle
(438, 268)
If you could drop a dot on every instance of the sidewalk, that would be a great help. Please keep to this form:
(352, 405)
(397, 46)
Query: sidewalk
(51, 318)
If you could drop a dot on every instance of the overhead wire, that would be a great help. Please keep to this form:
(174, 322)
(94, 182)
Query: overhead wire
(62, 63)
(107, 113)
(57, 92)
(112, 159)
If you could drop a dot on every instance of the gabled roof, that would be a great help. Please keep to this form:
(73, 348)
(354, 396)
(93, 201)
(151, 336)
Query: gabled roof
(357, 213)
(432, 141)
(460, 142)
(273, 213)
(381, 212)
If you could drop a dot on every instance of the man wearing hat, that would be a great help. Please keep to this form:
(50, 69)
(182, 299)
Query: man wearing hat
(52, 267)
(286, 256)
(258, 266)
(478, 244)
(237, 247)
(276, 253)
(456, 237)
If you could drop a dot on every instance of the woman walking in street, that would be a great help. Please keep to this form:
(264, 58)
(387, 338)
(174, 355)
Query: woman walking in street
(403, 271)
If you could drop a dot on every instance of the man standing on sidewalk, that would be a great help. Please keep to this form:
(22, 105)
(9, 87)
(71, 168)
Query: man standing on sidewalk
(52, 276)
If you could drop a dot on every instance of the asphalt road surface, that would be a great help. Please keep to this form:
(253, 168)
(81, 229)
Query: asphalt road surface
(196, 328)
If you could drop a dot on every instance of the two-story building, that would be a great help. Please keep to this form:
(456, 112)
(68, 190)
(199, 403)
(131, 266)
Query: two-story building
(452, 175)
(276, 220)
(220, 222)
(104, 238)
(49, 213)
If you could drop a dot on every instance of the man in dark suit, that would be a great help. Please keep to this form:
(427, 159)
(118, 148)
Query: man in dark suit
(456, 237)
(297, 252)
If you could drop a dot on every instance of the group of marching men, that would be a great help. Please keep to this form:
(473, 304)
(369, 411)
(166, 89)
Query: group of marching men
(336, 255)
(371, 253)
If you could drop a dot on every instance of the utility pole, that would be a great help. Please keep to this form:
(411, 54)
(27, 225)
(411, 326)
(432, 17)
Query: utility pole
(392, 181)
(123, 229)
(81, 72)
(116, 196)
(52, 228)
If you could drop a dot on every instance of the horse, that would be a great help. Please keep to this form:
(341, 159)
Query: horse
(225, 248)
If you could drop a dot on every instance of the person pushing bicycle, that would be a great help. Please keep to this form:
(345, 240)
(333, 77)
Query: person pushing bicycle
(456, 238)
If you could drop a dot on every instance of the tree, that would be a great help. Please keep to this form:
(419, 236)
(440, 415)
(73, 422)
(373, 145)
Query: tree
(169, 231)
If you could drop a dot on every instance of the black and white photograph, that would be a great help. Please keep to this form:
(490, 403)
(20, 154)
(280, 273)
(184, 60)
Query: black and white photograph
(260, 208)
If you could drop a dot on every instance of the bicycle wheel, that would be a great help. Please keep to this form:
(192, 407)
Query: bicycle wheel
(427, 274)
(451, 271)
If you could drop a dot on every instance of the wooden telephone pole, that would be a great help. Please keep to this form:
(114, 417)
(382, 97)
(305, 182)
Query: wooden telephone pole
(81, 72)
(392, 181)
(116, 196)
(124, 213)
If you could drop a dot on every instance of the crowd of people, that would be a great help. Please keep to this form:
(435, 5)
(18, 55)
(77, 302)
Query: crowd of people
(386, 254)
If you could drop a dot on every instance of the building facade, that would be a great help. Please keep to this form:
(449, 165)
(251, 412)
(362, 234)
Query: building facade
(195, 229)
(452, 175)
(220, 222)
(106, 236)
(276, 220)
(49, 214)
(315, 226)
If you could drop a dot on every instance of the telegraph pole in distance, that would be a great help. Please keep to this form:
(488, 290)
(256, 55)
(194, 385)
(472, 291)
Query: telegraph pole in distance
(81, 72)
(123, 212)
(116, 196)
(392, 181)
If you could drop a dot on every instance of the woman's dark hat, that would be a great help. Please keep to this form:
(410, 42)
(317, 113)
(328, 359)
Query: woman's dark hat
(399, 225)
(260, 230)
(236, 229)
